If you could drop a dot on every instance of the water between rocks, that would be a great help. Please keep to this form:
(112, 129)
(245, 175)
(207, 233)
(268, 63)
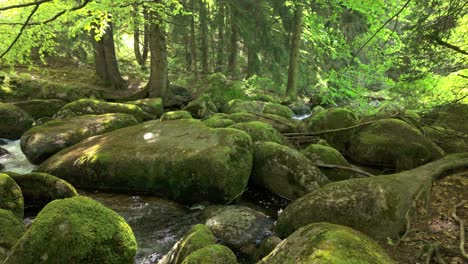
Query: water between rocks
(157, 223)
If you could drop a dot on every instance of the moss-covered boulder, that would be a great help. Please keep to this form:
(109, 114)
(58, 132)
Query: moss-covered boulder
(39, 189)
(175, 115)
(219, 120)
(75, 230)
(285, 171)
(327, 243)
(202, 107)
(152, 106)
(450, 140)
(11, 230)
(213, 254)
(10, 196)
(392, 143)
(376, 206)
(41, 142)
(321, 154)
(180, 159)
(14, 121)
(97, 107)
(239, 227)
(38, 108)
(221, 91)
(330, 119)
(260, 131)
(282, 124)
(257, 107)
(452, 116)
(199, 236)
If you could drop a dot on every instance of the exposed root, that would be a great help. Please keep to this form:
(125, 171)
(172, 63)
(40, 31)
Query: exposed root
(433, 252)
(462, 228)
(329, 166)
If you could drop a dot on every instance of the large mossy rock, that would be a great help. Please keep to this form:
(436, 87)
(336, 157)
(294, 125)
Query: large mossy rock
(176, 115)
(202, 107)
(10, 196)
(392, 143)
(11, 229)
(282, 124)
(97, 107)
(75, 230)
(39, 108)
(321, 154)
(450, 140)
(331, 119)
(152, 106)
(213, 254)
(239, 227)
(180, 159)
(285, 171)
(219, 120)
(376, 206)
(199, 236)
(260, 131)
(451, 116)
(257, 107)
(14, 121)
(39, 189)
(41, 142)
(324, 243)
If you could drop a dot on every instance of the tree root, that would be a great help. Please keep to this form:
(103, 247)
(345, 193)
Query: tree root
(330, 166)
(433, 252)
(462, 228)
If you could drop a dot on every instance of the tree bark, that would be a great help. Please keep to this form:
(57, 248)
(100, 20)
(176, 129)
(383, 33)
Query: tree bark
(253, 63)
(158, 81)
(204, 37)
(233, 48)
(220, 50)
(291, 90)
(105, 59)
(136, 36)
(193, 43)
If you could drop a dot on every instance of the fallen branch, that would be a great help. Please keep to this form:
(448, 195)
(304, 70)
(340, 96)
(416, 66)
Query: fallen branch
(462, 229)
(329, 166)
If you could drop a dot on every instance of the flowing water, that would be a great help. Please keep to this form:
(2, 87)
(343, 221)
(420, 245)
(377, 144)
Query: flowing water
(301, 117)
(15, 161)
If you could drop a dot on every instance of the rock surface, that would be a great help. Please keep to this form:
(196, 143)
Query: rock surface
(14, 121)
(11, 230)
(10, 196)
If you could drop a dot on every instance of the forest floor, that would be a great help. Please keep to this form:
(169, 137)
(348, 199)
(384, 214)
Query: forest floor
(436, 230)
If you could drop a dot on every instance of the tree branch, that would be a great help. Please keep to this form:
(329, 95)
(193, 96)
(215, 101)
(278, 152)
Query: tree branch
(37, 3)
(448, 45)
(21, 31)
(329, 166)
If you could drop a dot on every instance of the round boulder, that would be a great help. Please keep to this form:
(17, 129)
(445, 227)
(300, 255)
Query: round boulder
(11, 230)
(260, 131)
(14, 121)
(10, 196)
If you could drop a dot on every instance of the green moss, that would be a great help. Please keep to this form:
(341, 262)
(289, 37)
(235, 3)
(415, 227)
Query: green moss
(257, 107)
(96, 107)
(198, 237)
(285, 171)
(10, 196)
(202, 107)
(282, 124)
(39, 108)
(260, 131)
(41, 142)
(318, 153)
(174, 158)
(39, 189)
(448, 139)
(152, 106)
(218, 121)
(213, 254)
(11, 230)
(278, 109)
(392, 143)
(14, 121)
(330, 119)
(174, 115)
(327, 243)
(76, 230)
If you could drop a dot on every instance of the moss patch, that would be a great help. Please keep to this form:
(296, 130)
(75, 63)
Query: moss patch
(11, 230)
(175, 115)
(14, 121)
(260, 131)
(10, 196)
(318, 153)
(198, 237)
(75, 230)
(214, 254)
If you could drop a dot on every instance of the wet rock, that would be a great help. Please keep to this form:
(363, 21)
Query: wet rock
(300, 109)
(392, 143)
(285, 171)
(10, 196)
(41, 142)
(14, 121)
(39, 108)
(181, 159)
(76, 230)
(327, 243)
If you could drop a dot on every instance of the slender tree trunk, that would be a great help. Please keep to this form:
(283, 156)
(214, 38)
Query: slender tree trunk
(146, 38)
(105, 59)
(291, 90)
(221, 44)
(253, 63)
(193, 42)
(136, 36)
(158, 81)
(233, 48)
(204, 36)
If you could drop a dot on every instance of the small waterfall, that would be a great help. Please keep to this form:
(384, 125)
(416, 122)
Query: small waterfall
(15, 161)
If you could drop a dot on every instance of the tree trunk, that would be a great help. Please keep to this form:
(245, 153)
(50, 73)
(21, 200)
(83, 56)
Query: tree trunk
(233, 48)
(253, 63)
(146, 38)
(136, 36)
(291, 90)
(193, 43)
(158, 81)
(105, 59)
(204, 36)
(220, 50)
